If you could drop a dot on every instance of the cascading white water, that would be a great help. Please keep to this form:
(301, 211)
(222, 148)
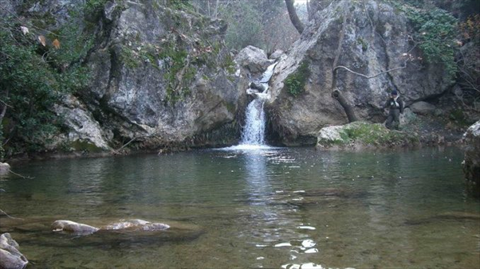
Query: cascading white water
(254, 129)
(253, 134)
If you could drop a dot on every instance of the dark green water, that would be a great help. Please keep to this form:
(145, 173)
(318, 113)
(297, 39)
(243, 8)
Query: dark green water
(276, 208)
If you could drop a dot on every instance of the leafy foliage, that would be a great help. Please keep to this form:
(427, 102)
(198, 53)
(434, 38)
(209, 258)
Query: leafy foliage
(469, 62)
(435, 32)
(35, 72)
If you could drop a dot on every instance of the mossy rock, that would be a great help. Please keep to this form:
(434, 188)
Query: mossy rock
(361, 135)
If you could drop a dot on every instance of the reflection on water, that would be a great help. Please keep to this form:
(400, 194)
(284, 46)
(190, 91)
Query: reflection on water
(244, 208)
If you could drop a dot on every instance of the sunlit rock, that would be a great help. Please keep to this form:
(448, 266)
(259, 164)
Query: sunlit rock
(471, 164)
(73, 227)
(10, 256)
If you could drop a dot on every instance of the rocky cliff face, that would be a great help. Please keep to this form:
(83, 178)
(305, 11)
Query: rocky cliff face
(367, 37)
(160, 77)
(471, 164)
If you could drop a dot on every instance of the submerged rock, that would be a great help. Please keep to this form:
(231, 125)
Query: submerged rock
(73, 227)
(137, 225)
(471, 164)
(10, 256)
(361, 135)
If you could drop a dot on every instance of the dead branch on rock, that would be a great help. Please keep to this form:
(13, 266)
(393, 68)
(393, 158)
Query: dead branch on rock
(372, 76)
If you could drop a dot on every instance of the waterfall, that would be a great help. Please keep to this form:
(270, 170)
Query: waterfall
(254, 129)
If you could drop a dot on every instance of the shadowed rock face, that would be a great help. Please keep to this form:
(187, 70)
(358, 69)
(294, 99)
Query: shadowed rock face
(10, 256)
(471, 164)
(369, 37)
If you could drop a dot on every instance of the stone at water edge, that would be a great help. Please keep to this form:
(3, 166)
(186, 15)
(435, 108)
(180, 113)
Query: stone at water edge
(10, 256)
(4, 168)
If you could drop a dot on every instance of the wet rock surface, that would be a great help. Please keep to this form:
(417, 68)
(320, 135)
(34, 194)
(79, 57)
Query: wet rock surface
(10, 256)
(73, 227)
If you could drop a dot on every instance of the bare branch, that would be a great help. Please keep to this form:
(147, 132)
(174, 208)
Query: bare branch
(372, 76)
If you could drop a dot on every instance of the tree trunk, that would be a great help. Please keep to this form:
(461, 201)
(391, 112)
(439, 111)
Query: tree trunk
(346, 106)
(293, 16)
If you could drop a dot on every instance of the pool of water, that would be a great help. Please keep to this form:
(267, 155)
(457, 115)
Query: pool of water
(250, 208)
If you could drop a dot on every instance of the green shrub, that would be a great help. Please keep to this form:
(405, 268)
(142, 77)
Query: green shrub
(435, 32)
(295, 82)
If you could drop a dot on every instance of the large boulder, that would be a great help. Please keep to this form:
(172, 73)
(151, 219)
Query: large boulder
(10, 256)
(422, 108)
(471, 164)
(367, 37)
(253, 59)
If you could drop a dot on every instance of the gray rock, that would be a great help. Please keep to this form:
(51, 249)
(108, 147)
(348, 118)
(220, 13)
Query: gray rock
(374, 41)
(4, 168)
(422, 108)
(253, 59)
(73, 227)
(471, 163)
(137, 225)
(277, 54)
(10, 256)
(84, 128)
(134, 93)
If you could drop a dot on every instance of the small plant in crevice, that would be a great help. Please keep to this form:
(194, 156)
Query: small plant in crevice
(295, 82)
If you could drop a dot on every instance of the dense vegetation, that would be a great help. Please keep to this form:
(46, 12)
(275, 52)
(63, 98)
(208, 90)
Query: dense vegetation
(37, 67)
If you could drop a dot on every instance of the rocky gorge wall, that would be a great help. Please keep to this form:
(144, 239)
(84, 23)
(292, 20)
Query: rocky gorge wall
(367, 37)
(160, 77)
